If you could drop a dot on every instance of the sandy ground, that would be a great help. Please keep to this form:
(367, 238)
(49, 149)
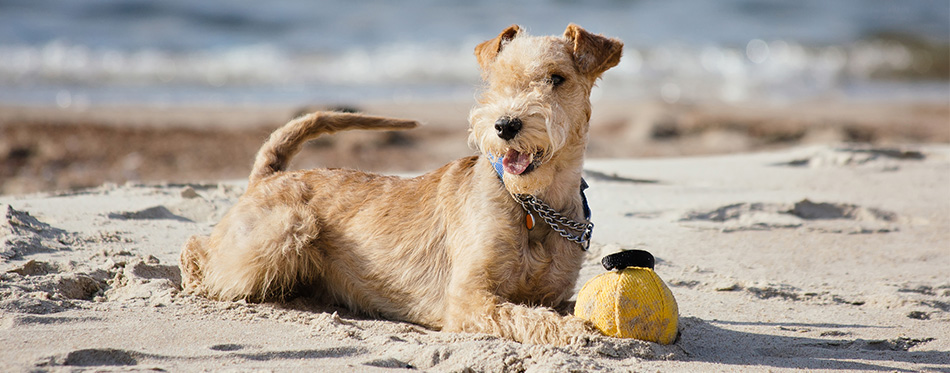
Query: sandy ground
(817, 257)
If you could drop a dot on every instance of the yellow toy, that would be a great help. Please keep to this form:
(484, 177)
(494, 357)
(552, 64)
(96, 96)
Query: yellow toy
(632, 302)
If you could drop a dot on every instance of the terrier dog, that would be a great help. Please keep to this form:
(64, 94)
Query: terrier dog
(455, 249)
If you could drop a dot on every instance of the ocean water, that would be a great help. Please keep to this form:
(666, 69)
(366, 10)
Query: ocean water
(81, 53)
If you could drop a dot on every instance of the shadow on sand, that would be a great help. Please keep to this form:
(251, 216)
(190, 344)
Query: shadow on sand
(713, 341)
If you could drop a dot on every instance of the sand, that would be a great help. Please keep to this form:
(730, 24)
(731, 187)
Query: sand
(817, 257)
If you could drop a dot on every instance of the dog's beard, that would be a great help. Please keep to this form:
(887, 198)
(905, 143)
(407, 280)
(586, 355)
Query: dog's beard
(525, 157)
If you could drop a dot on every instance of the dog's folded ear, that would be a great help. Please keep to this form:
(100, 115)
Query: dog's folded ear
(488, 50)
(593, 54)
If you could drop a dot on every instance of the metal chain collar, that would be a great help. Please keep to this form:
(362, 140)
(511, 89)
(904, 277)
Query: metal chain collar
(559, 223)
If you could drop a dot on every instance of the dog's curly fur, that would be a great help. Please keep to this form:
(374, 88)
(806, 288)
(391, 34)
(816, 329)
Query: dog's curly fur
(448, 249)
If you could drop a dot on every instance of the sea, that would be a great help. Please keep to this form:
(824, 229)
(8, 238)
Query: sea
(82, 53)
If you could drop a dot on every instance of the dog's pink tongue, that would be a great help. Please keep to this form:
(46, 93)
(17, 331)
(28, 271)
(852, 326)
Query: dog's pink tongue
(515, 163)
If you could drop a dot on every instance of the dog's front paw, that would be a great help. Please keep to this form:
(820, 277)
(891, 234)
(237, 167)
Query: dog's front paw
(578, 331)
(567, 330)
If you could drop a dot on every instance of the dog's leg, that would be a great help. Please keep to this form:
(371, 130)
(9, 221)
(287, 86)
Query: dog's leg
(485, 313)
(193, 257)
(479, 311)
(262, 251)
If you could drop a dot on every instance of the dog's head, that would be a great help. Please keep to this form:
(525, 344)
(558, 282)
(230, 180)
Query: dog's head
(535, 107)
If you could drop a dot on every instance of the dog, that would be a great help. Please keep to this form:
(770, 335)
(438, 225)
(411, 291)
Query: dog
(456, 249)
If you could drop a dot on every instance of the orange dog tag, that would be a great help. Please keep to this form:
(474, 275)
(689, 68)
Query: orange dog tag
(529, 221)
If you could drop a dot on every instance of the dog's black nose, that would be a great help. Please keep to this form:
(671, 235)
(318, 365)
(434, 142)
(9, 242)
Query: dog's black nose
(507, 127)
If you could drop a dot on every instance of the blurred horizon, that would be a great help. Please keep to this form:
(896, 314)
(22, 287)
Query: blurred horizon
(75, 54)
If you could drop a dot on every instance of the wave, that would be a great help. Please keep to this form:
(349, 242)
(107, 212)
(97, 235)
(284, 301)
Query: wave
(762, 68)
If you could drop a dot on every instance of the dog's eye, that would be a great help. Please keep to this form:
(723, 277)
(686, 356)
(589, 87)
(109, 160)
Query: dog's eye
(556, 80)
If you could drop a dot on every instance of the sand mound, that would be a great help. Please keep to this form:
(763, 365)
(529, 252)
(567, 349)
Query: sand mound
(145, 281)
(21, 234)
(821, 217)
(39, 287)
(854, 156)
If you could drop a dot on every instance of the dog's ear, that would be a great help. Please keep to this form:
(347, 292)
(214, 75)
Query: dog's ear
(488, 50)
(593, 54)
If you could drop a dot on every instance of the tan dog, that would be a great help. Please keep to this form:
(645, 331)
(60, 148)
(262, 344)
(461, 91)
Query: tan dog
(450, 249)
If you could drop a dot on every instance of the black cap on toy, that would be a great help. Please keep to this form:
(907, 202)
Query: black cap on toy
(629, 258)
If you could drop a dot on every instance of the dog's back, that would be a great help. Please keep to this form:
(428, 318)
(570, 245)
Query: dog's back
(358, 239)
(254, 244)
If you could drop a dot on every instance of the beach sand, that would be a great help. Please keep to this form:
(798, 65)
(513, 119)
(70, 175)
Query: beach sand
(786, 245)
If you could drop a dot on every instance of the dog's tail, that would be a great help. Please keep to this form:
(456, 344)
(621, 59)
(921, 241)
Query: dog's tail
(285, 142)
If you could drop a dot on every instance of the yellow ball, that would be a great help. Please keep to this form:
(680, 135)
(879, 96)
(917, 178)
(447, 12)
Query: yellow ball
(630, 303)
